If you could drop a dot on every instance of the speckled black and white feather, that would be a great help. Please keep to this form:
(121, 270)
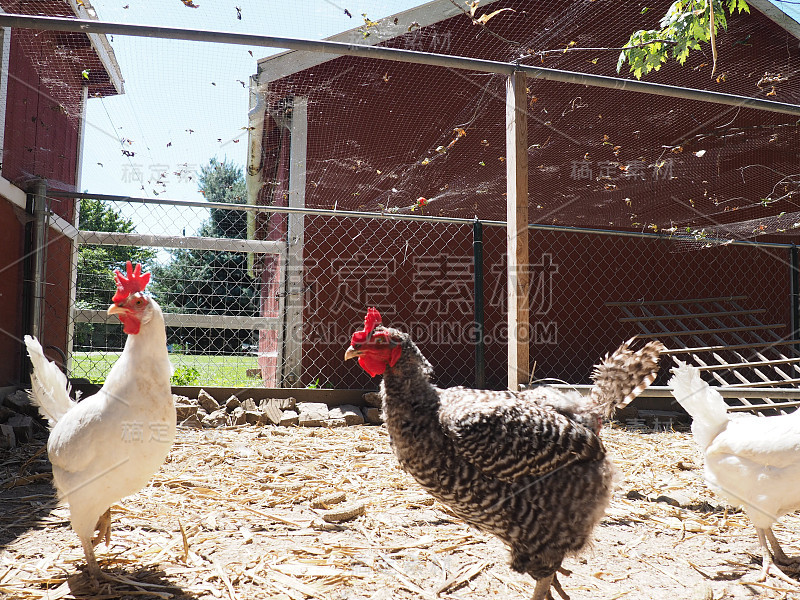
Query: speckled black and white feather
(529, 468)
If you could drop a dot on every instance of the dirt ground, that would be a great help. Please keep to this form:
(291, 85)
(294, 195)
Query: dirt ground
(230, 516)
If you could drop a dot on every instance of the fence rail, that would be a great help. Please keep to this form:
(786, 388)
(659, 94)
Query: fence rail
(417, 218)
(84, 315)
(178, 241)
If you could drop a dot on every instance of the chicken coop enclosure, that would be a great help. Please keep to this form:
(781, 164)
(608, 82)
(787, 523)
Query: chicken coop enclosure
(664, 207)
(420, 273)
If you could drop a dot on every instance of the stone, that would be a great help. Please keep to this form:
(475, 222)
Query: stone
(23, 427)
(289, 418)
(5, 413)
(192, 422)
(336, 422)
(249, 404)
(372, 399)
(207, 401)
(7, 437)
(255, 417)
(287, 403)
(312, 414)
(238, 416)
(232, 403)
(349, 412)
(271, 410)
(373, 415)
(184, 411)
(216, 419)
(20, 402)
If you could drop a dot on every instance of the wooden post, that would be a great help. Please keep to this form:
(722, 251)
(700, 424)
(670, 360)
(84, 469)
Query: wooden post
(293, 302)
(517, 231)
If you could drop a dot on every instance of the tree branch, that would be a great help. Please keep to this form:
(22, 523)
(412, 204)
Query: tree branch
(565, 50)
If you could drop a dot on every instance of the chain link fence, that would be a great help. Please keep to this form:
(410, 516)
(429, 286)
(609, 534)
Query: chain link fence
(239, 315)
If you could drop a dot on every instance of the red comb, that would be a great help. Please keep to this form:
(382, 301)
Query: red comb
(134, 282)
(372, 319)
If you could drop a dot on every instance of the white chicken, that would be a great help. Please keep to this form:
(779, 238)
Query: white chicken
(753, 462)
(108, 445)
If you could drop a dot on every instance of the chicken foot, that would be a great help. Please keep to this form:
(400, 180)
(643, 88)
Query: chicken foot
(103, 528)
(768, 566)
(777, 552)
(542, 589)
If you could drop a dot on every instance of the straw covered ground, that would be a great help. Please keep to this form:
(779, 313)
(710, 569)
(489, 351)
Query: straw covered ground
(255, 513)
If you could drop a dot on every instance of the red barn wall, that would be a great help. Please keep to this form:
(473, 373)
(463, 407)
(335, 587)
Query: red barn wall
(41, 140)
(420, 277)
(11, 285)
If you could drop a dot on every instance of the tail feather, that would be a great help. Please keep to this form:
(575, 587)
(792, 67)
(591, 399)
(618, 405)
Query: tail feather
(49, 386)
(705, 405)
(625, 374)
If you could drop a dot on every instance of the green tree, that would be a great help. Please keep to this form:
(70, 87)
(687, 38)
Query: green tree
(224, 182)
(96, 264)
(686, 25)
(212, 282)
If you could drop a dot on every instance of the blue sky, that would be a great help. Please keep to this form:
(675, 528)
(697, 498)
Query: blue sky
(186, 102)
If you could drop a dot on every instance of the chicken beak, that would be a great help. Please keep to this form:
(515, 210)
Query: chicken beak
(351, 352)
(114, 309)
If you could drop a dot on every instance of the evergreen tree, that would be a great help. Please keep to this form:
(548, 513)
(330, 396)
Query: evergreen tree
(96, 264)
(212, 282)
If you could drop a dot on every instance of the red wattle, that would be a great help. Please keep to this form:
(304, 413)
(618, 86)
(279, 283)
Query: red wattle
(130, 325)
(372, 366)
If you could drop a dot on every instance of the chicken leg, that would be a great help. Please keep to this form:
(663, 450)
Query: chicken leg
(768, 566)
(543, 585)
(103, 529)
(95, 574)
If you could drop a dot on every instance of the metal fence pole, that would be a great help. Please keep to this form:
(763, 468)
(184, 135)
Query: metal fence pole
(39, 254)
(794, 286)
(477, 253)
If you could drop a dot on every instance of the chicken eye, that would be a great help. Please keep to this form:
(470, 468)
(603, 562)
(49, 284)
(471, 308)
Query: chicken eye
(139, 303)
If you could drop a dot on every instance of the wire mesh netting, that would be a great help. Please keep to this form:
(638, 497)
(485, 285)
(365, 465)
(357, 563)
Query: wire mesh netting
(228, 326)
(346, 133)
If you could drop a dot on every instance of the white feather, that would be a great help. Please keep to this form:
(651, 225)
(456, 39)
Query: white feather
(707, 408)
(49, 386)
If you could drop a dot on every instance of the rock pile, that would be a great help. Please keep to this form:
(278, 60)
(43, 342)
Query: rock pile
(18, 420)
(206, 412)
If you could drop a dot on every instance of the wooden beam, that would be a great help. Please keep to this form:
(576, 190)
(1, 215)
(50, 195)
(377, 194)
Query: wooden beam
(114, 238)
(517, 231)
(684, 301)
(88, 315)
(294, 298)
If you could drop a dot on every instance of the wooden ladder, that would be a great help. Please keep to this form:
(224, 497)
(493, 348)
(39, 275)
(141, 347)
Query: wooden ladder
(755, 367)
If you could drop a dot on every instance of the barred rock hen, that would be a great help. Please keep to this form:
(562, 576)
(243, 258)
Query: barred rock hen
(529, 468)
(108, 445)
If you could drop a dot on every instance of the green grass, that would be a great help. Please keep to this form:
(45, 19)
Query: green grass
(215, 371)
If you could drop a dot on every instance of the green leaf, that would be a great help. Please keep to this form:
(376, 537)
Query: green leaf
(687, 23)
